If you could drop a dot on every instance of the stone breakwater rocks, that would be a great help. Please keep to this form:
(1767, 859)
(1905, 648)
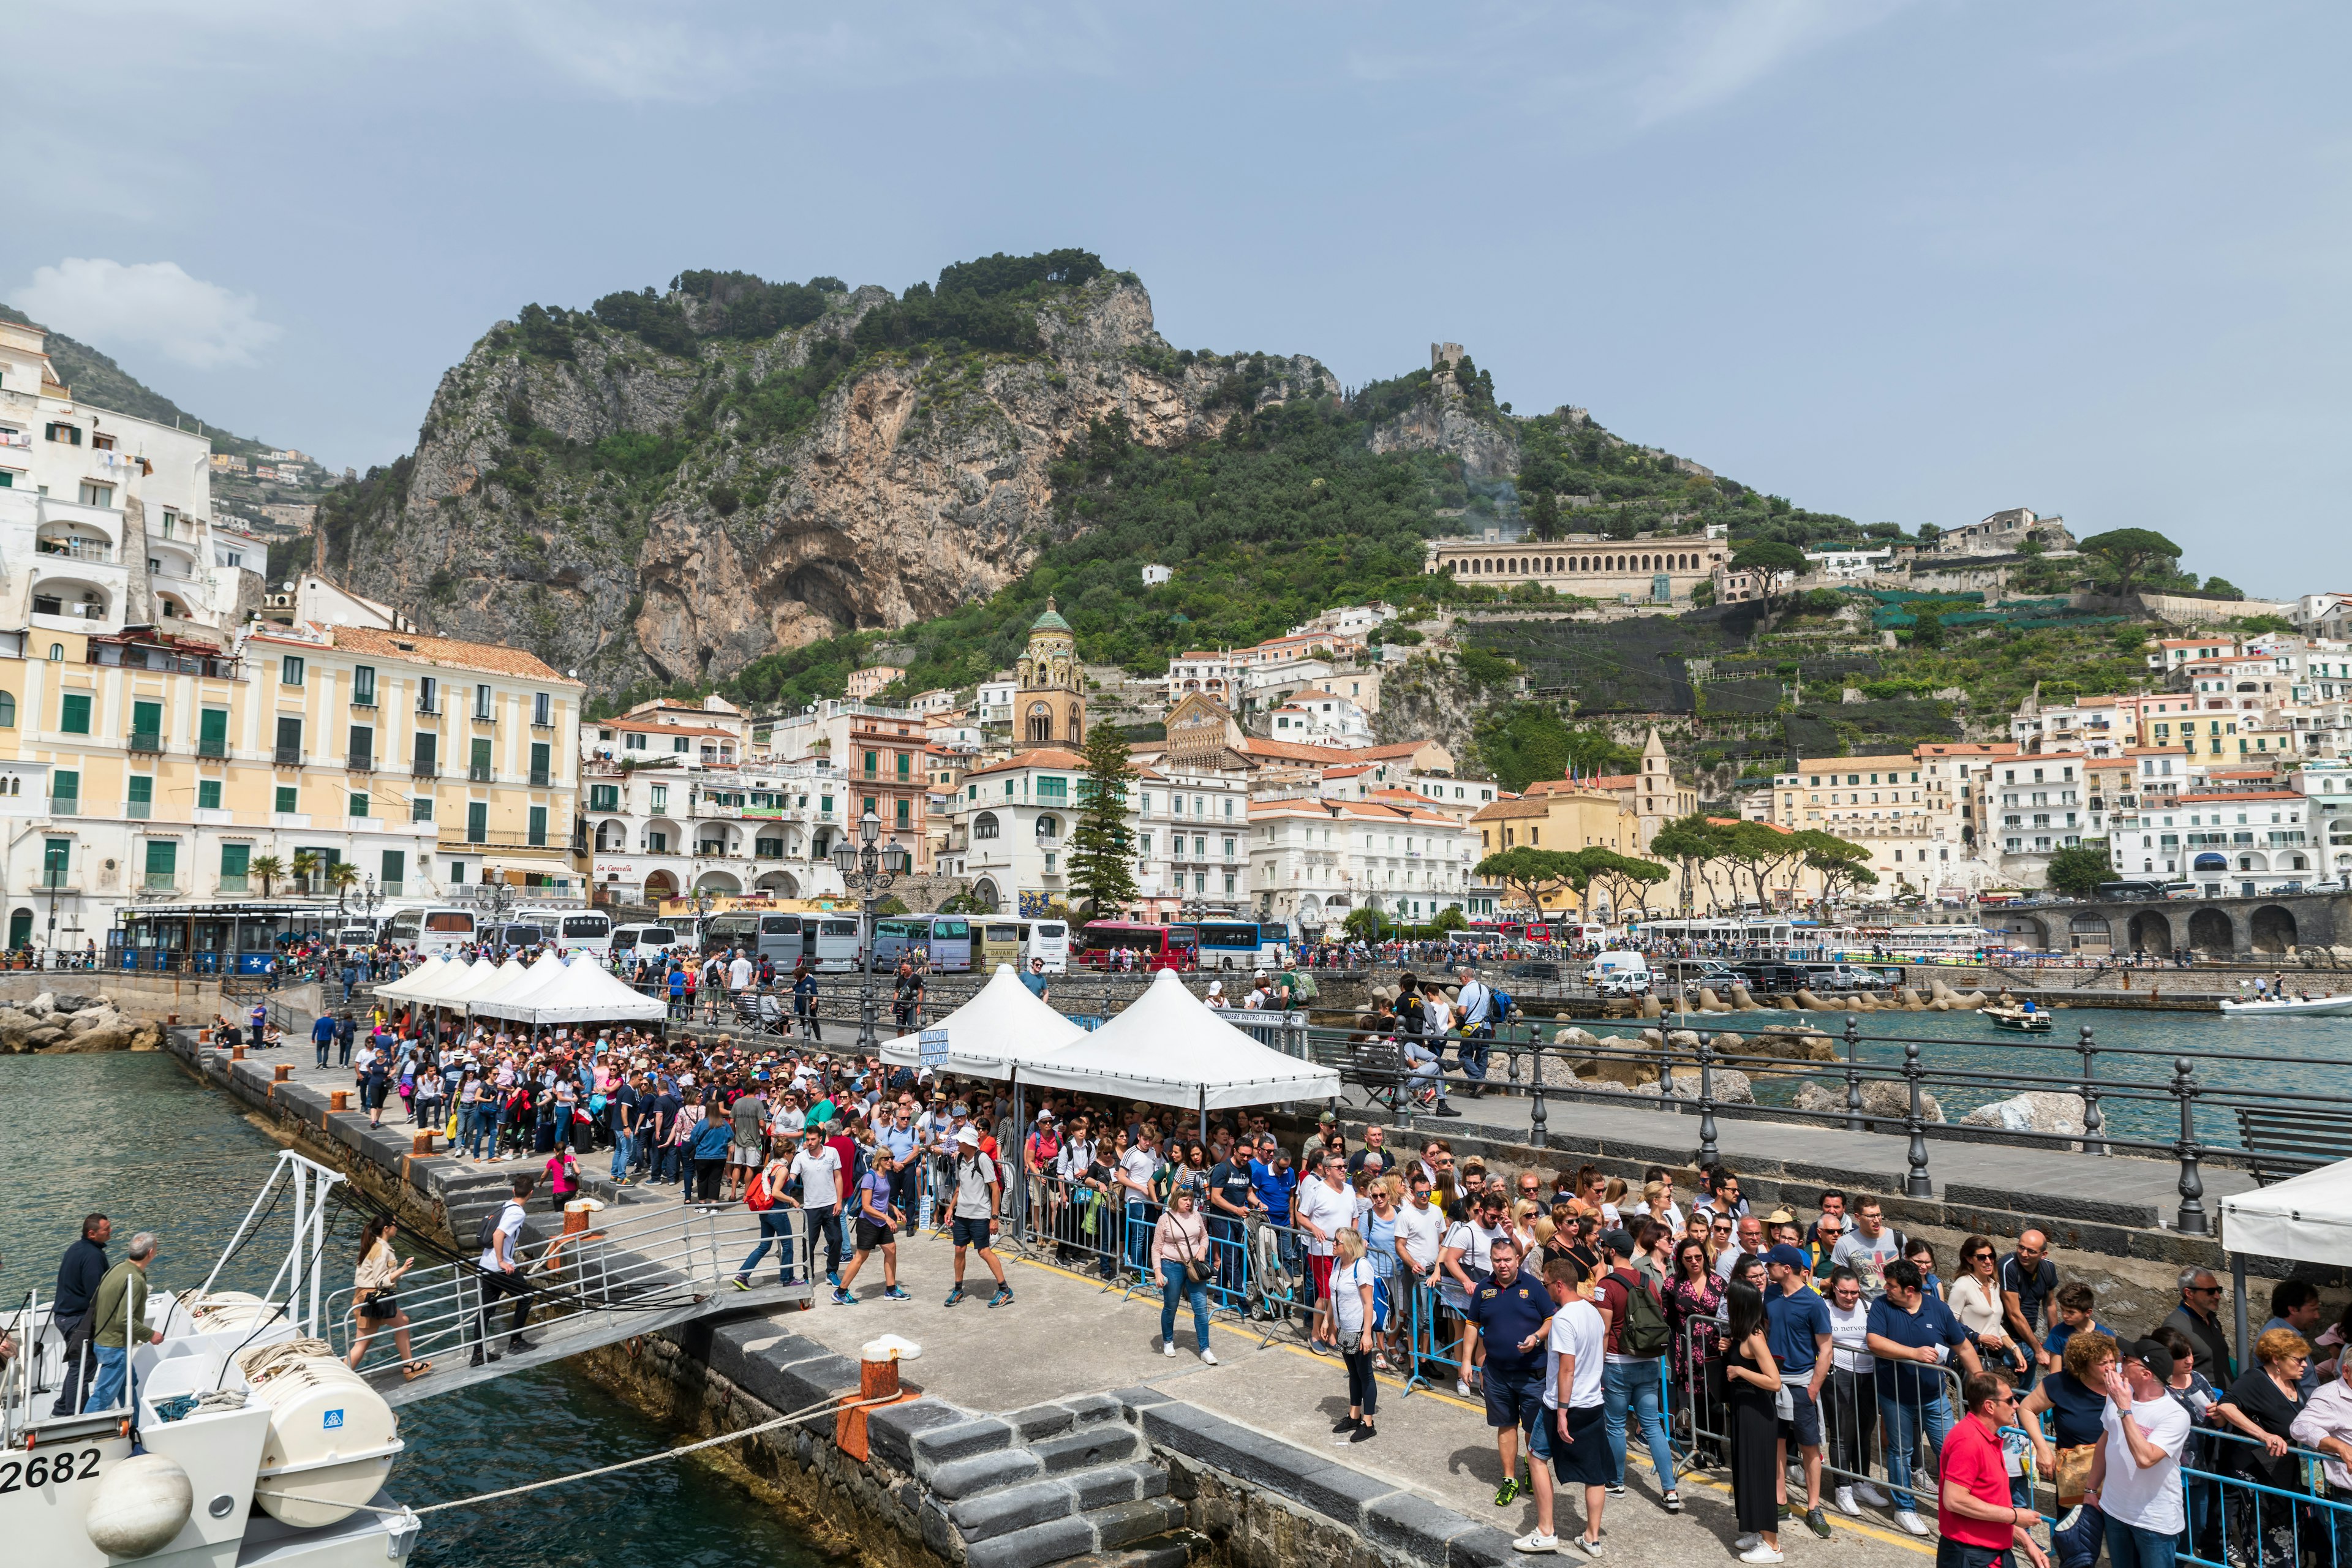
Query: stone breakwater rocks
(1881, 1100)
(57, 1021)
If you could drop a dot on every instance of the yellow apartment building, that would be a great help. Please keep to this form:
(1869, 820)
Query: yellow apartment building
(141, 768)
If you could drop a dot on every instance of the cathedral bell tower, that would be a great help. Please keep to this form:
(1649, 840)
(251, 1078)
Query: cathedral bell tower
(1050, 708)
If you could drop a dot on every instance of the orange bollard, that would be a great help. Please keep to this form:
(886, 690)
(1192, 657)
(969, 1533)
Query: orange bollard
(281, 1072)
(878, 1384)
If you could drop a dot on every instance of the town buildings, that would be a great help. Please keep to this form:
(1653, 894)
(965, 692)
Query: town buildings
(1658, 570)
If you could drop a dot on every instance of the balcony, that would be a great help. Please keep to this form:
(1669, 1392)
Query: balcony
(146, 740)
(65, 805)
(538, 778)
(423, 768)
(477, 773)
(360, 762)
(76, 549)
(482, 717)
(160, 881)
(215, 746)
(139, 810)
(286, 756)
(232, 882)
(390, 887)
(429, 709)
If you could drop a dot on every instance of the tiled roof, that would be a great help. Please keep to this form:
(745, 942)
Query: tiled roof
(1042, 757)
(1504, 809)
(418, 648)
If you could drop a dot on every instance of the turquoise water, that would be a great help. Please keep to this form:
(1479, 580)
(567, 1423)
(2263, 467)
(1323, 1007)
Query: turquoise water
(2288, 1057)
(134, 1137)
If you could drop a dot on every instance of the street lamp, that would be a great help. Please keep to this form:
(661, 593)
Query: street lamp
(867, 868)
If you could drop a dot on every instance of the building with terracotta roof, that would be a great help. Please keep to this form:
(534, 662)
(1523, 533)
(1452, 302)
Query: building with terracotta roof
(1563, 818)
(1314, 860)
(2230, 843)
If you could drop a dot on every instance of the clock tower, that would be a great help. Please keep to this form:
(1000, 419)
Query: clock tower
(1049, 708)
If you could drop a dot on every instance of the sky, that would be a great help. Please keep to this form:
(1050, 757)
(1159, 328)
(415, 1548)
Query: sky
(1907, 260)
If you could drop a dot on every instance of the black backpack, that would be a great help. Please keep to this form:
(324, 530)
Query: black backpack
(485, 1234)
(1644, 1333)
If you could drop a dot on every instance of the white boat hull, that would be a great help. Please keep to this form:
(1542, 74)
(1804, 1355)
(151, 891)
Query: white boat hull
(2317, 1007)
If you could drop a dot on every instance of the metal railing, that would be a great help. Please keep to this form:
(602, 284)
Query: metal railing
(212, 746)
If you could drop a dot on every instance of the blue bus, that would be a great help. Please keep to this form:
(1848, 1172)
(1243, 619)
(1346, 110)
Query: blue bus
(1244, 944)
(946, 938)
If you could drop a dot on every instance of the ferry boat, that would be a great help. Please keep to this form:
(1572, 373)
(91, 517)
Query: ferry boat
(245, 1439)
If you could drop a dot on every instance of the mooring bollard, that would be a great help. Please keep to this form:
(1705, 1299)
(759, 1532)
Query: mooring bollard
(2191, 1219)
(1915, 1184)
(2094, 1122)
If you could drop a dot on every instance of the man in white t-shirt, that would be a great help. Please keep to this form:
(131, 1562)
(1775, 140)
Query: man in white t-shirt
(739, 973)
(1136, 1169)
(1868, 1248)
(818, 1168)
(501, 1275)
(2136, 1469)
(1574, 1400)
(979, 1195)
(1420, 1227)
(1319, 1208)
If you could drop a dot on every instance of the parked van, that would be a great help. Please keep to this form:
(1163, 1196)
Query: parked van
(1617, 973)
(442, 930)
(629, 942)
(587, 930)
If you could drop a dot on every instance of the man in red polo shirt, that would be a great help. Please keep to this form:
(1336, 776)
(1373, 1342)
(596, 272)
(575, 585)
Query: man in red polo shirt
(1979, 1527)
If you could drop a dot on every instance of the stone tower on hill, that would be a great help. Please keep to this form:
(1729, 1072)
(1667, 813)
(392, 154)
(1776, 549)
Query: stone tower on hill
(1658, 797)
(1051, 702)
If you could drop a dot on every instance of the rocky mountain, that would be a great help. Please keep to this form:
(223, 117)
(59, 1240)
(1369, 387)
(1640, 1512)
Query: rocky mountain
(670, 486)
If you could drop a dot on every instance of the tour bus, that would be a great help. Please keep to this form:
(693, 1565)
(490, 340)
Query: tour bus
(1048, 939)
(517, 934)
(443, 928)
(947, 938)
(1244, 944)
(358, 933)
(575, 931)
(997, 941)
(826, 943)
(1154, 946)
(722, 933)
(628, 942)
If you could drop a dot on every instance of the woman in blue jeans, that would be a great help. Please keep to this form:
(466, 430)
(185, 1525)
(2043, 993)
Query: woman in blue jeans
(1182, 1238)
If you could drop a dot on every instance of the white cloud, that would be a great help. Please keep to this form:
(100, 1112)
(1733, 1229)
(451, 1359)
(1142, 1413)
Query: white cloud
(154, 304)
(1725, 49)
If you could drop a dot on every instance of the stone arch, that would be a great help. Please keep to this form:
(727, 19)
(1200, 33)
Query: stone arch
(1041, 721)
(660, 885)
(718, 883)
(2211, 931)
(984, 825)
(783, 884)
(2090, 934)
(2150, 933)
(984, 894)
(2024, 931)
(2273, 929)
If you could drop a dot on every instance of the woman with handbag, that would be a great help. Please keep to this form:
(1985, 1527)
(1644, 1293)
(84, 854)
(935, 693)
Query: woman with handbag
(1179, 1250)
(1752, 1393)
(371, 1294)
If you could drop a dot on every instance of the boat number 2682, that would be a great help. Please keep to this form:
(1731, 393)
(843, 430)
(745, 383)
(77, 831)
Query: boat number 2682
(48, 1470)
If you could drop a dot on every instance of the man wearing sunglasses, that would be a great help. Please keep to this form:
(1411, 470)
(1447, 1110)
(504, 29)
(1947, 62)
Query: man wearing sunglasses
(1980, 1528)
(2198, 1317)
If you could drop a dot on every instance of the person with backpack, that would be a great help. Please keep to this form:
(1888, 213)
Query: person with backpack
(1474, 1004)
(1633, 1375)
(500, 1266)
(766, 1196)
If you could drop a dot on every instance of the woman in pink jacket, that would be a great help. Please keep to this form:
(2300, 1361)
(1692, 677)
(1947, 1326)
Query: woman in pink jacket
(1182, 1238)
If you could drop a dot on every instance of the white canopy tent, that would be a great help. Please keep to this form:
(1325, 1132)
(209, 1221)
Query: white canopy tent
(584, 992)
(1169, 1049)
(502, 999)
(430, 982)
(2306, 1218)
(486, 979)
(1003, 1030)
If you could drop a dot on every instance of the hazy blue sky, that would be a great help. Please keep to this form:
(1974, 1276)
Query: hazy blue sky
(1914, 261)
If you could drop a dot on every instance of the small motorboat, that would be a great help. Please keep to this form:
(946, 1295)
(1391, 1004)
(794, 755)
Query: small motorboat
(2299, 1007)
(2017, 1020)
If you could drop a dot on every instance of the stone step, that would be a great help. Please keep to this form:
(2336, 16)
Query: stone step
(1089, 1447)
(1174, 1550)
(1128, 1522)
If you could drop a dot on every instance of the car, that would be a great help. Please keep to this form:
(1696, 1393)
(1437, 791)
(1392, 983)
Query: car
(2333, 885)
(1532, 969)
(1842, 977)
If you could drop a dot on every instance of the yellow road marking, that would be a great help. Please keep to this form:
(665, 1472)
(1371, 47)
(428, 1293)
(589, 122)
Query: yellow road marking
(1837, 1522)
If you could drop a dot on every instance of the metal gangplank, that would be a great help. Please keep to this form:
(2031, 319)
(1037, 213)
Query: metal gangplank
(634, 1269)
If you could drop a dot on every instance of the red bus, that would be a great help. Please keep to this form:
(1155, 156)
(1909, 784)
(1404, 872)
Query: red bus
(1154, 946)
(1527, 930)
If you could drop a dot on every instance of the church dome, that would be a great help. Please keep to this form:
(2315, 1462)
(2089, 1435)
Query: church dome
(1050, 621)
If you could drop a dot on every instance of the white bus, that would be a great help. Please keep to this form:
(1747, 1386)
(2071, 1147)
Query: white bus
(654, 940)
(434, 928)
(827, 944)
(1048, 939)
(579, 931)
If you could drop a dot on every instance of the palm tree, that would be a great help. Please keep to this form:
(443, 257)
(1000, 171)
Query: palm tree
(269, 867)
(307, 865)
(342, 876)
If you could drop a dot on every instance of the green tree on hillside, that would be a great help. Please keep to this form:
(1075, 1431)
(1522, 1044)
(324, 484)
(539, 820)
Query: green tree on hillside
(1102, 849)
(1534, 875)
(2135, 554)
(1624, 878)
(1842, 863)
(2079, 869)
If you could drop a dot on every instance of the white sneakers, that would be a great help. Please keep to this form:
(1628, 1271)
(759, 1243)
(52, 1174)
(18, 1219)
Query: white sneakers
(1760, 1553)
(1845, 1503)
(1208, 1356)
(1747, 1538)
(1536, 1541)
(1462, 1386)
(1871, 1494)
(1911, 1523)
(1168, 1349)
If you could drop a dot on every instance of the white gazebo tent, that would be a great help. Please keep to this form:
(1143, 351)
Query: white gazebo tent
(508, 997)
(418, 981)
(1002, 1032)
(486, 979)
(2307, 1218)
(1169, 1048)
(586, 992)
(433, 988)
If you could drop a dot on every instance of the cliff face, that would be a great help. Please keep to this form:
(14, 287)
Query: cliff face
(630, 513)
(1444, 420)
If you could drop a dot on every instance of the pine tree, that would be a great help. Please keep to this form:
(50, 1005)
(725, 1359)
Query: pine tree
(1102, 871)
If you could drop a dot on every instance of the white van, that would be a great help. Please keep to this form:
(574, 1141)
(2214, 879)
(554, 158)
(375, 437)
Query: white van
(628, 942)
(1620, 974)
(436, 929)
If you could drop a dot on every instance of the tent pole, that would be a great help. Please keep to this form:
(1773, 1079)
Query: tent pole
(1020, 1156)
(1204, 1114)
(2238, 1301)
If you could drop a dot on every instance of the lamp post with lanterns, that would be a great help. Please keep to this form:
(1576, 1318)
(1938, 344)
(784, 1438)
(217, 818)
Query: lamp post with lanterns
(867, 868)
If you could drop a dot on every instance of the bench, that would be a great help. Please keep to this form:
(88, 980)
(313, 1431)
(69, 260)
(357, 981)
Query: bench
(1378, 1068)
(2294, 1140)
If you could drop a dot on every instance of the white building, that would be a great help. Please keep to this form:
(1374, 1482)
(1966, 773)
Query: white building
(1010, 825)
(1155, 574)
(2234, 843)
(1204, 670)
(2038, 807)
(2326, 786)
(1849, 563)
(105, 518)
(671, 822)
(1191, 833)
(1313, 860)
(992, 706)
(1347, 620)
(1314, 717)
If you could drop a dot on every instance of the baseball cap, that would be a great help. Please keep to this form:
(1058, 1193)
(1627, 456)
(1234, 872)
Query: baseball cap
(1618, 1242)
(1787, 1257)
(2153, 1356)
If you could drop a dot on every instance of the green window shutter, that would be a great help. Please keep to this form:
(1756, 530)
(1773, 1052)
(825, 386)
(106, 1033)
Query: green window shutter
(477, 822)
(289, 798)
(903, 819)
(208, 794)
(480, 767)
(359, 807)
(235, 859)
(420, 808)
(163, 857)
(73, 714)
(395, 868)
(140, 790)
(539, 825)
(146, 718)
(538, 754)
(65, 785)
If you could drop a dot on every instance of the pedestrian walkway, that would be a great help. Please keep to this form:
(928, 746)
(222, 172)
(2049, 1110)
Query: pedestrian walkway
(1065, 1335)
